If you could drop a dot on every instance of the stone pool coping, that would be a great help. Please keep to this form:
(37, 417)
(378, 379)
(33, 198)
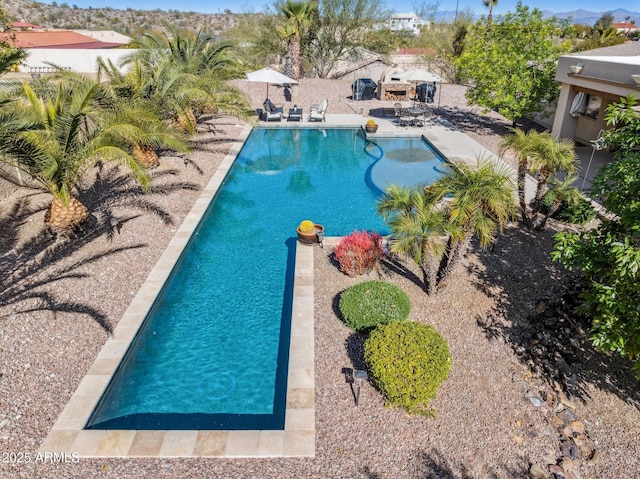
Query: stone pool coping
(298, 437)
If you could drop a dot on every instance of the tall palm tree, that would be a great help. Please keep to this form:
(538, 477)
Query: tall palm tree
(298, 15)
(478, 201)
(551, 155)
(418, 229)
(490, 4)
(523, 144)
(58, 137)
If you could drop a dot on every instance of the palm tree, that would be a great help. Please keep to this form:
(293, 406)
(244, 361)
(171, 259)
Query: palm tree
(522, 143)
(478, 201)
(180, 74)
(135, 110)
(58, 137)
(10, 57)
(196, 52)
(418, 229)
(549, 156)
(563, 192)
(490, 4)
(298, 15)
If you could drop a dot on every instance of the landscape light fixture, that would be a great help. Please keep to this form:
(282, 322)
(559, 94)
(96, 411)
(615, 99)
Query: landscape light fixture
(320, 236)
(577, 68)
(360, 375)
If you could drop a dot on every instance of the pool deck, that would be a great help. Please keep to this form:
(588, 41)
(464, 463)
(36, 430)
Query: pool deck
(298, 437)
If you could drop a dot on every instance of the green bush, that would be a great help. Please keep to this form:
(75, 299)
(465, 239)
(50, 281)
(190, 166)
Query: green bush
(578, 212)
(408, 362)
(367, 304)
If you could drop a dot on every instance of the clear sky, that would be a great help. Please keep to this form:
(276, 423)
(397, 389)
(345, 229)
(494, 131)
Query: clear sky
(400, 6)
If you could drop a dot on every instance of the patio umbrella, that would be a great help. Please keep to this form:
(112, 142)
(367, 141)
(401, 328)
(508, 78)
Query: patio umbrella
(267, 75)
(419, 75)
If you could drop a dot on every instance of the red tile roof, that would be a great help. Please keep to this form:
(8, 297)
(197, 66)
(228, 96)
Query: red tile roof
(25, 25)
(56, 39)
(624, 25)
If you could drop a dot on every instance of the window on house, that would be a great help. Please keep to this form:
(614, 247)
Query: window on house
(594, 103)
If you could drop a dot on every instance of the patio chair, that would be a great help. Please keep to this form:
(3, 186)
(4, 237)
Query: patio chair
(427, 115)
(272, 112)
(316, 113)
(402, 119)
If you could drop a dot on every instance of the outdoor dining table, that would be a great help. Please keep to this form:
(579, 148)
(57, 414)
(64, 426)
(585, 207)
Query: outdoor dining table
(414, 112)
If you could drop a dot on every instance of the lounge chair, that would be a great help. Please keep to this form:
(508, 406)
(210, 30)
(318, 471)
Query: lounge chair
(316, 113)
(271, 112)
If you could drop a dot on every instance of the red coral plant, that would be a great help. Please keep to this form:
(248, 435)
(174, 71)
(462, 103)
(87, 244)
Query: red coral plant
(358, 253)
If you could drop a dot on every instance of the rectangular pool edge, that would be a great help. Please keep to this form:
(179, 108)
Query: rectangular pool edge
(296, 440)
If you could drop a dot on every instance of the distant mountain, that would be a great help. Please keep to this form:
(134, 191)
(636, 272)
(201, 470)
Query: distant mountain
(578, 16)
(589, 18)
(130, 22)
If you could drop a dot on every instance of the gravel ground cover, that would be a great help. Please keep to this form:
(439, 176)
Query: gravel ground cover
(59, 300)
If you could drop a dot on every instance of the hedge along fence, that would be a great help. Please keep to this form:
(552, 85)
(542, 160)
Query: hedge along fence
(367, 304)
(408, 362)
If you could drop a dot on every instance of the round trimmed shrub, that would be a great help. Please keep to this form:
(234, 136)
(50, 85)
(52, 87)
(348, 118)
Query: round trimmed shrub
(408, 362)
(365, 305)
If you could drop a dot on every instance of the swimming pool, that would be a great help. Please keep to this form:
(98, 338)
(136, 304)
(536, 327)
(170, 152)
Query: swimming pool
(213, 352)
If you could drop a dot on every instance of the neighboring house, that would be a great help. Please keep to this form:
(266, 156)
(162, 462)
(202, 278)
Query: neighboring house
(73, 50)
(57, 39)
(25, 26)
(591, 80)
(414, 58)
(407, 21)
(106, 36)
(359, 63)
(625, 27)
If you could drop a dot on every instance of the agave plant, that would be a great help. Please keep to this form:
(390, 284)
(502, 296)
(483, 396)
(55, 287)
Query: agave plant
(57, 135)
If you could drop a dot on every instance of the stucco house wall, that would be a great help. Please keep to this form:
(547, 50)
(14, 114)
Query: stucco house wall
(81, 61)
(605, 74)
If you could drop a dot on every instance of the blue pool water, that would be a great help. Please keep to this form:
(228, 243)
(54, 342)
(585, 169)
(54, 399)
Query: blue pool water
(213, 352)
